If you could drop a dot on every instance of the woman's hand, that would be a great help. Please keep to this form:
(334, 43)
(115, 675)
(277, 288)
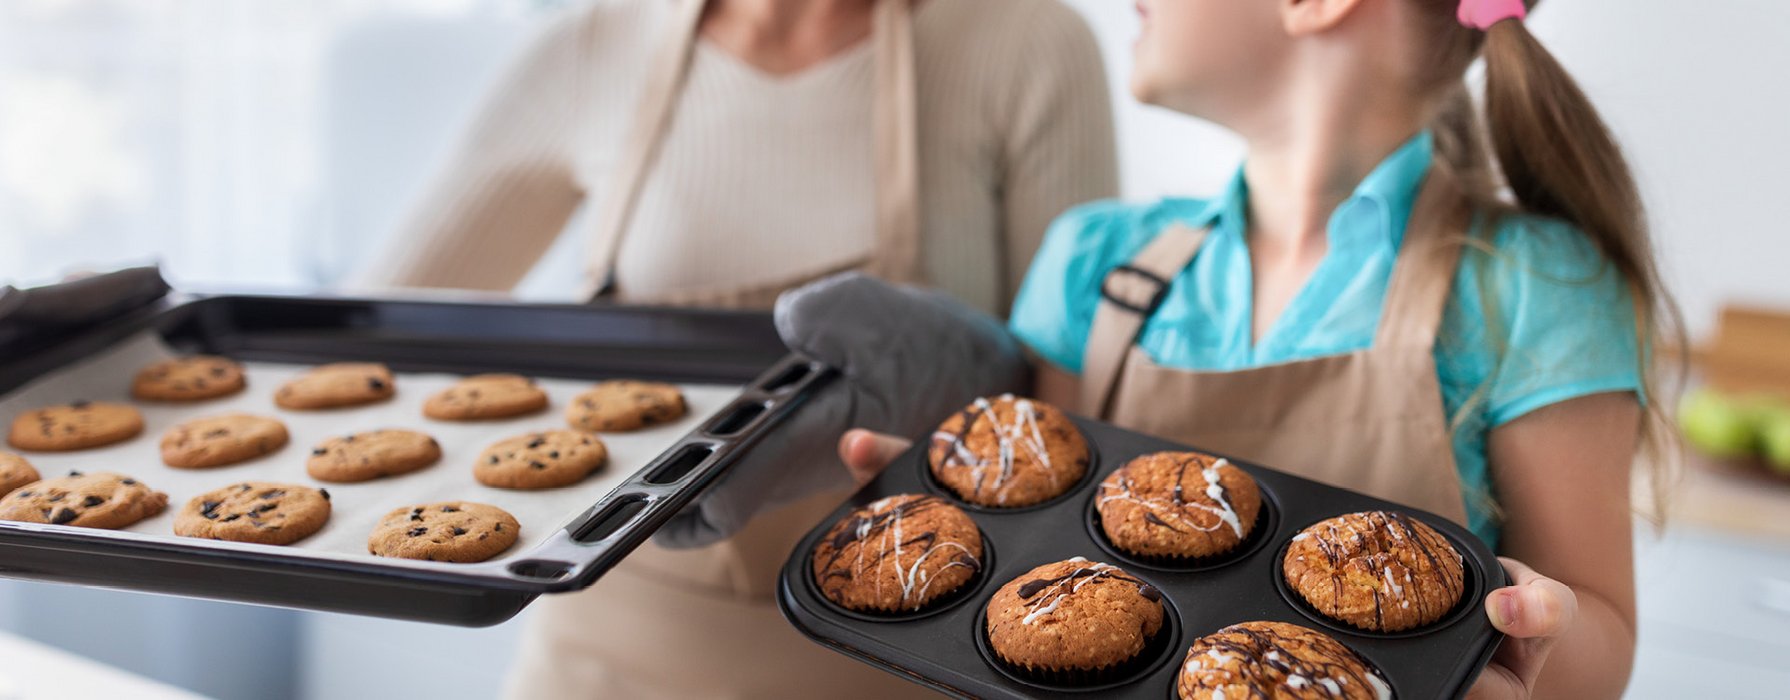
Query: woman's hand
(866, 453)
(1532, 614)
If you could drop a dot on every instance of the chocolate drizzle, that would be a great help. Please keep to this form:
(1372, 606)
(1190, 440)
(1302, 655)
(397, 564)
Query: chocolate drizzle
(1403, 559)
(1044, 595)
(877, 532)
(1274, 659)
(1011, 439)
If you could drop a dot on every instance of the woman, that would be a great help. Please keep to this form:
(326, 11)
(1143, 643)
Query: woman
(732, 149)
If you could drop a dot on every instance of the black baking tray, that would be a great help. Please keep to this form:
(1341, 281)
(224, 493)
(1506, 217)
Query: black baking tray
(566, 341)
(944, 648)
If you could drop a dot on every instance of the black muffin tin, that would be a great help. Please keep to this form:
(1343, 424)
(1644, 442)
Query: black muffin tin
(944, 646)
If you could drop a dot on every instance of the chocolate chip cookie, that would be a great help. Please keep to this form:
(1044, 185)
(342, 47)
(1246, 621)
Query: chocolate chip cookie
(487, 396)
(623, 405)
(255, 511)
(75, 426)
(337, 385)
(188, 379)
(221, 440)
(100, 500)
(15, 472)
(455, 531)
(540, 460)
(371, 455)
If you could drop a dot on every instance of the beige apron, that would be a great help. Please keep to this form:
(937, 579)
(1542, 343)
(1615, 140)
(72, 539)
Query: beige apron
(1370, 420)
(703, 623)
(896, 254)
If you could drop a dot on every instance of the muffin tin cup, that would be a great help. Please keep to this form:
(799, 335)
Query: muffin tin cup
(1267, 520)
(938, 488)
(1158, 650)
(966, 591)
(945, 648)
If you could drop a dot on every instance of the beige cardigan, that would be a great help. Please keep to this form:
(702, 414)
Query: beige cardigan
(763, 176)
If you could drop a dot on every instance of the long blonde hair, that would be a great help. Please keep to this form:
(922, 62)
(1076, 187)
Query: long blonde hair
(1548, 147)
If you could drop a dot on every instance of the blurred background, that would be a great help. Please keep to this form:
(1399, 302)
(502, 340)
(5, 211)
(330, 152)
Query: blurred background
(268, 145)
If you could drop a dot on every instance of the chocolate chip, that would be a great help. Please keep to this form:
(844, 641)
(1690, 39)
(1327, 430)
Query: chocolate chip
(418, 531)
(23, 494)
(553, 455)
(416, 514)
(79, 403)
(493, 459)
(263, 508)
(72, 472)
(449, 509)
(243, 487)
(324, 492)
(276, 493)
(500, 527)
(56, 498)
(128, 482)
(537, 465)
(376, 383)
(92, 501)
(459, 531)
(319, 451)
(207, 508)
(64, 515)
(232, 517)
(537, 442)
(217, 371)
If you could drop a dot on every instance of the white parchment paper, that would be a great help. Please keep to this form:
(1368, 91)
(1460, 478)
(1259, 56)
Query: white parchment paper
(356, 507)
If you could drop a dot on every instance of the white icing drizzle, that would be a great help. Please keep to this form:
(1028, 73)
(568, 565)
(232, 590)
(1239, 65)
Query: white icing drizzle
(889, 547)
(1072, 585)
(1165, 508)
(1010, 438)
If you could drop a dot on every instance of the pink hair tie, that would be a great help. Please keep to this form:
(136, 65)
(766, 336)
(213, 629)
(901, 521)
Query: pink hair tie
(1482, 14)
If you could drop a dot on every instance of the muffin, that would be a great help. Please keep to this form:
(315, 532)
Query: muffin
(15, 472)
(1008, 452)
(896, 554)
(1178, 505)
(1379, 571)
(1276, 660)
(1072, 620)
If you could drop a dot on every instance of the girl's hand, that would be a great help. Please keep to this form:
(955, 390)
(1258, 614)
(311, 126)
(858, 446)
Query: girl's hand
(866, 454)
(1532, 614)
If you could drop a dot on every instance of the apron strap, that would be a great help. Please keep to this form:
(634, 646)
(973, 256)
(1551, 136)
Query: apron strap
(1423, 275)
(896, 143)
(897, 133)
(1129, 295)
(652, 116)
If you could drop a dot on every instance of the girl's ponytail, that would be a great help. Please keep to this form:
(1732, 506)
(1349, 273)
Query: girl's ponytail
(1555, 157)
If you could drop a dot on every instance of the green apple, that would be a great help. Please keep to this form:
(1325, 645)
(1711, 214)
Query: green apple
(1718, 425)
(1774, 437)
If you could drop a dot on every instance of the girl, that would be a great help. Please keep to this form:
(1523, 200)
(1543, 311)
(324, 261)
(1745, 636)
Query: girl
(1364, 307)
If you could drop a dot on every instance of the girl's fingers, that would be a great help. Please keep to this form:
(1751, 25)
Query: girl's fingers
(1532, 613)
(1535, 606)
(867, 453)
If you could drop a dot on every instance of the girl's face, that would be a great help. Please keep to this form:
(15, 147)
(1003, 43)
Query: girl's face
(1208, 58)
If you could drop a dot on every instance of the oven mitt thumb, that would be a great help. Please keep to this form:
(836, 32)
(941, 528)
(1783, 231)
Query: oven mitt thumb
(906, 358)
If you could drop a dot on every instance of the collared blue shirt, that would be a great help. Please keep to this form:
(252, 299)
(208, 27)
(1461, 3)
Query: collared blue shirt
(1539, 318)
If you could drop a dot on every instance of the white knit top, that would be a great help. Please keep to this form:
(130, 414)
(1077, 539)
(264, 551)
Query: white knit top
(762, 178)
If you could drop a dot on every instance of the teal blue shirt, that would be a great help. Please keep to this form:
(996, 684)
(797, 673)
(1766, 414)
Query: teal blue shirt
(1560, 323)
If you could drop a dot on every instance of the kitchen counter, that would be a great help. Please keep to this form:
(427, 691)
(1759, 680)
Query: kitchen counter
(33, 671)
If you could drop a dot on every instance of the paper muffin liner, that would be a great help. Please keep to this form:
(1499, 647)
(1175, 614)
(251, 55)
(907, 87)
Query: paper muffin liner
(1146, 655)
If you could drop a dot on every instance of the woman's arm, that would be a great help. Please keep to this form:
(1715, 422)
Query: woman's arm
(509, 189)
(1562, 475)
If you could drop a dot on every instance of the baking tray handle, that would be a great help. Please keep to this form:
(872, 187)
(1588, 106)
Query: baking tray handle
(578, 554)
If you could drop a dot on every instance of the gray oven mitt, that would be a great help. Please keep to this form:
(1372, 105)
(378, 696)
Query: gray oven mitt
(907, 358)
